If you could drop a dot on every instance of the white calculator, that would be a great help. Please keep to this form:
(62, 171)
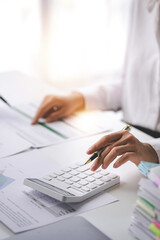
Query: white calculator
(74, 183)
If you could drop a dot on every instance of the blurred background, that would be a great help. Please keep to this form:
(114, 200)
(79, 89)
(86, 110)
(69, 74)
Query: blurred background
(65, 42)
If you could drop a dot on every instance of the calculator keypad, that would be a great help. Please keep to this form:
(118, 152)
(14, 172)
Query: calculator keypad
(80, 177)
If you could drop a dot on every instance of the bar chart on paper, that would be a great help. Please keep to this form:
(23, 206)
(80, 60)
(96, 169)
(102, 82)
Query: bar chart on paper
(5, 181)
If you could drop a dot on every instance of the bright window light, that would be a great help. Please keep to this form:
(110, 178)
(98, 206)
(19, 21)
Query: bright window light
(65, 41)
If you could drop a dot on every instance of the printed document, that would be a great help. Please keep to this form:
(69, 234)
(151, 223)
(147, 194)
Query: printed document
(36, 135)
(41, 135)
(22, 208)
(10, 142)
(79, 124)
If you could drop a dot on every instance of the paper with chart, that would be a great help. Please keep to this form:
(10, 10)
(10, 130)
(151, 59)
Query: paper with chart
(18, 118)
(21, 208)
(10, 142)
(83, 122)
(78, 125)
(36, 136)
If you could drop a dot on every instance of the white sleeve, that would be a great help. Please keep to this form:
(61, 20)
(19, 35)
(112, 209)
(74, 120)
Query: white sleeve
(155, 143)
(103, 96)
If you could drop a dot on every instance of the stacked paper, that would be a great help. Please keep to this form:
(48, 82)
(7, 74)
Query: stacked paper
(145, 222)
(145, 167)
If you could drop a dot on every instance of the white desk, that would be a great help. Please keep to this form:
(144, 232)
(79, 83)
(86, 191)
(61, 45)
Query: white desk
(113, 219)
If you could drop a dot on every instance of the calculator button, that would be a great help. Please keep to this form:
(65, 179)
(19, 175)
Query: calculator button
(52, 175)
(67, 175)
(91, 186)
(83, 182)
(97, 175)
(58, 172)
(98, 182)
(48, 178)
(60, 178)
(86, 189)
(104, 173)
(74, 172)
(84, 168)
(112, 175)
(89, 173)
(90, 179)
(68, 182)
(105, 179)
(82, 175)
(66, 170)
(77, 185)
(75, 179)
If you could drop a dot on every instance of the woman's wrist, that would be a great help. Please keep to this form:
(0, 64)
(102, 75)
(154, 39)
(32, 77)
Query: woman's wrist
(152, 152)
(78, 99)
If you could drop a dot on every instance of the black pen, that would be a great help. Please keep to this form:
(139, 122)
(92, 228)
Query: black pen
(98, 153)
(4, 101)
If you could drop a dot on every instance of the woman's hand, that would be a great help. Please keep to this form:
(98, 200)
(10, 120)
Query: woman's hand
(122, 144)
(54, 108)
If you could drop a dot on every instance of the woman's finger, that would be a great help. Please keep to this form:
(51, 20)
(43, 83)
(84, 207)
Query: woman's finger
(55, 116)
(97, 163)
(108, 148)
(104, 141)
(115, 152)
(44, 108)
(129, 156)
(40, 113)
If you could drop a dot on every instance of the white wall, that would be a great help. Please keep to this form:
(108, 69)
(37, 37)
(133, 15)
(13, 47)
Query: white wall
(83, 39)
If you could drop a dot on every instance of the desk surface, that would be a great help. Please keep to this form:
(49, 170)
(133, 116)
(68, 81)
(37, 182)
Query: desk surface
(113, 219)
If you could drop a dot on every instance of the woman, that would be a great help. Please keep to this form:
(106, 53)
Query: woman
(137, 93)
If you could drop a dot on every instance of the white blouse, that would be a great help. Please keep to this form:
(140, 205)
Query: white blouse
(138, 92)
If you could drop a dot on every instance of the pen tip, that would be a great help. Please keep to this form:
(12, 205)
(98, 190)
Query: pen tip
(88, 161)
(127, 128)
